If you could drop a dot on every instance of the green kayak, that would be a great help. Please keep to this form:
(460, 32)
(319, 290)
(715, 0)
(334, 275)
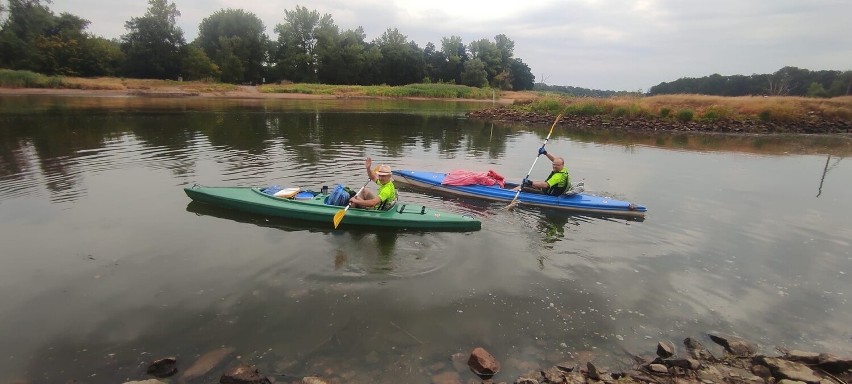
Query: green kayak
(312, 207)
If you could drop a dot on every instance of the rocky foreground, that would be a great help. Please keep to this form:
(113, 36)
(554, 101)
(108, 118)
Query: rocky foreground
(811, 124)
(738, 363)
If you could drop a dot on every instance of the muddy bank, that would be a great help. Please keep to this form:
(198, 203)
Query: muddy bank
(812, 124)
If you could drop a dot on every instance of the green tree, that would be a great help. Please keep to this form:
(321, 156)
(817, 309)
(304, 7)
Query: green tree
(154, 43)
(788, 81)
(490, 56)
(402, 61)
(231, 65)
(27, 21)
(816, 90)
(474, 74)
(456, 55)
(60, 48)
(297, 58)
(33, 38)
(101, 57)
(434, 62)
(522, 77)
(235, 41)
(506, 47)
(197, 65)
(330, 52)
(842, 85)
(372, 73)
(346, 62)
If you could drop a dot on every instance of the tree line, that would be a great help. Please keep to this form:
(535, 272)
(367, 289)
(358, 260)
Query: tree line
(232, 47)
(581, 92)
(787, 81)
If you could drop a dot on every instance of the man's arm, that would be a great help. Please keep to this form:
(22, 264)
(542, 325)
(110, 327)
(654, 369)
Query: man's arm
(369, 165)
(540, 184)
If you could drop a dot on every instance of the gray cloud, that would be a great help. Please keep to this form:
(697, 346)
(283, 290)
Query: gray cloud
(601, 44)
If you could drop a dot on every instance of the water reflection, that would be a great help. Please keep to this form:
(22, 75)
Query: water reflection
(362, 251)
(46, 145)
(828, 167)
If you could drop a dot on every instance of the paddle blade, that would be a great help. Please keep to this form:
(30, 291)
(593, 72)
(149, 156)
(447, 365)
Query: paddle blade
(511, 206)
(338, 217)
(513, 203)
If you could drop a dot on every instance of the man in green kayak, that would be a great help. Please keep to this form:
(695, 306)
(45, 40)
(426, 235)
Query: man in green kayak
(557, 182)
(386, 197)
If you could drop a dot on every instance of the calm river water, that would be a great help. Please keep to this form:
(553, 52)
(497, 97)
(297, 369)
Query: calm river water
(107, 266)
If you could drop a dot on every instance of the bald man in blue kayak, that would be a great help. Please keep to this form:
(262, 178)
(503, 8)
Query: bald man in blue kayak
(556, 183)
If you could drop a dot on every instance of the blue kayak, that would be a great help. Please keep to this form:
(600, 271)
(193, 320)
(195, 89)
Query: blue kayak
(577, 202)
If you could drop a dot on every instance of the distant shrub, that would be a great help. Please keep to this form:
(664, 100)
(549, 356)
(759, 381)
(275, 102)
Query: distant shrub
(55, 82)
(619, 112)
(779, 114)
(665, 112)
(636, 111)
(684, 115)
(716, 113)
(817, 90)
(547, 105)
(27, 79)
(585, 109)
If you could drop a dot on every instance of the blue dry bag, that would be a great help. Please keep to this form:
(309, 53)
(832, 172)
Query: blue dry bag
(338, 196)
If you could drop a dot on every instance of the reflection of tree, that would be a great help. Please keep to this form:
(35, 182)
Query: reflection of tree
(63, 137)
(12, 161)
(239, 130)
(59, 139)
(484, 137)
(174, 132)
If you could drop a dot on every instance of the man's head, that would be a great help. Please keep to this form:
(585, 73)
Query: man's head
(384, 172)
(558, 164)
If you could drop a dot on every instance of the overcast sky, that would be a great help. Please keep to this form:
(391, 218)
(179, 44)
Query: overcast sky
(598, 44)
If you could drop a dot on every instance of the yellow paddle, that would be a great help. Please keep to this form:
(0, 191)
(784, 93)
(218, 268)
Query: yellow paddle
(338, 217)
(515, 200)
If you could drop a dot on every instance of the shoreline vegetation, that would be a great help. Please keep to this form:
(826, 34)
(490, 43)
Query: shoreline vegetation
(673, 113)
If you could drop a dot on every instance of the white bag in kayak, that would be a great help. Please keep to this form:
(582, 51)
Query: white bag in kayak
(287, 193)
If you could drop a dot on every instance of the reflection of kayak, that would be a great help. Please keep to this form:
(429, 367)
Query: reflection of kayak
(312, 207)
(579, 202)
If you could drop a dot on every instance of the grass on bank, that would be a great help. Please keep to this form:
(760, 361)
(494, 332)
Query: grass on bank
(445, 91)
(698, 107)
(28, 79)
